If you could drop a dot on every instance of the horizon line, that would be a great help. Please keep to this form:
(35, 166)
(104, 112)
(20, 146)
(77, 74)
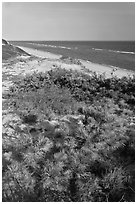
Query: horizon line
(77, 40)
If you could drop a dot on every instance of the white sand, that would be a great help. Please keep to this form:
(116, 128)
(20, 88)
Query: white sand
(108, 70)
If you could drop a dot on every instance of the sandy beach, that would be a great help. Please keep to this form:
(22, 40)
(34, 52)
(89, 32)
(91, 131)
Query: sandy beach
(100, 69)
(39, 53)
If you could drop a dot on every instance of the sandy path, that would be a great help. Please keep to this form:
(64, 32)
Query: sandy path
(100, 69)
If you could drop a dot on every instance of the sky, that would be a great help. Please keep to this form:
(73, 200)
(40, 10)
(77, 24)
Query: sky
(68, 21)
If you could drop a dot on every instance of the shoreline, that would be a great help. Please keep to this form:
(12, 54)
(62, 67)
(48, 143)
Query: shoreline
(93, 67)
(39, 53)
(85, 52)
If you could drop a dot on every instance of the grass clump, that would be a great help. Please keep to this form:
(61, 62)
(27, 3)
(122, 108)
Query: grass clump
(78, 141)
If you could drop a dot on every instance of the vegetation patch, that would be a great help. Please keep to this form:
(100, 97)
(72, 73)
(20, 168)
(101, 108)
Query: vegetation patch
(74, 141)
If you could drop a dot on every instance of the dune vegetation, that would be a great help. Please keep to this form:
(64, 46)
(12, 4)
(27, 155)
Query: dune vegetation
(10, 51)
(73, 139)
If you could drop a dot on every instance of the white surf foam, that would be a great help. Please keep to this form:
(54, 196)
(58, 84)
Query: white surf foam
(116, 51)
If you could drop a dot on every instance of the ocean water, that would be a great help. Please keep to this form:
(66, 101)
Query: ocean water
(113, 53)
(122, 46)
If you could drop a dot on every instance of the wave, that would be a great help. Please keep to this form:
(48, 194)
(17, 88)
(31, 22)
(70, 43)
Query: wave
(75, 48)
(97, 49)
(116, 51)
(122, 52)
(54, 46)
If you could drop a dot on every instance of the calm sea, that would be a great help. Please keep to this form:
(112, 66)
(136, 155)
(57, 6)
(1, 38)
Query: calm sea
(114, 53)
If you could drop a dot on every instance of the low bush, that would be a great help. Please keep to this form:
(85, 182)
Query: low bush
(78, 140)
